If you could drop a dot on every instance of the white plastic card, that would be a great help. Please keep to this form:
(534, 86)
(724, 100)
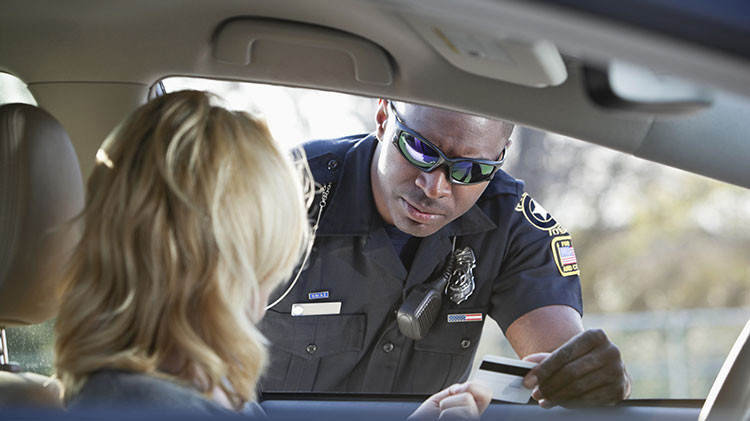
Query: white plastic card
(505, 377)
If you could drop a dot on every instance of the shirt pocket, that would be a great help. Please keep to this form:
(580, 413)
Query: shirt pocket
(298, 343)
(448, 350)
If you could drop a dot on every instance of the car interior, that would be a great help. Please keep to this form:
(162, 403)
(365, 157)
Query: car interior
(665, 82)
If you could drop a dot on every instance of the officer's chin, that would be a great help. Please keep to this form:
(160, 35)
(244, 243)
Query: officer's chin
(418, 229)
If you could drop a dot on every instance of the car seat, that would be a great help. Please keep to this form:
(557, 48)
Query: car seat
(41, 191)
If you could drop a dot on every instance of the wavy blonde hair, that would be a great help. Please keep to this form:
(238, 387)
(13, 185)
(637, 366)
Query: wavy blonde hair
(193, 215)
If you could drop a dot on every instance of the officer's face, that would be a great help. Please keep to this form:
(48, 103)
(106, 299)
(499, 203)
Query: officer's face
(420, 203)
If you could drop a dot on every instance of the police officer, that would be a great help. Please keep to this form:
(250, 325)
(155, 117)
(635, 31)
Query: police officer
(396, 206)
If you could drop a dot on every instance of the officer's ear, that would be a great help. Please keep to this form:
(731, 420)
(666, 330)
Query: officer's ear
(381, 117)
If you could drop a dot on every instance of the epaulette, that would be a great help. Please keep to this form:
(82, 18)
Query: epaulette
(326, 156)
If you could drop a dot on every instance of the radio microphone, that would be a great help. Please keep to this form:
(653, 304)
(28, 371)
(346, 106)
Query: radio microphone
(422, 307)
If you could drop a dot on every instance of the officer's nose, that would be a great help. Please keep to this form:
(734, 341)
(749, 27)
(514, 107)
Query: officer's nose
(434, 184)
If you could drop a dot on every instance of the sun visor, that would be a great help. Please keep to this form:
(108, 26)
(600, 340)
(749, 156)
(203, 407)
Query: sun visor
(492, 54)
(294, 49)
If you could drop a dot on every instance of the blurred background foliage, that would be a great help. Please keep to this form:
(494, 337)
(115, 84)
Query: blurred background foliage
(648, 237)
(664, 257)
(665, 254)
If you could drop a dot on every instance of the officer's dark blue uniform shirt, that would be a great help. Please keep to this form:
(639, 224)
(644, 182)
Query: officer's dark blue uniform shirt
(525, 260)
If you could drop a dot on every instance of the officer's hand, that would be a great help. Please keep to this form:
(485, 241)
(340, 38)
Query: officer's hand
(463, 401)
(586, 370)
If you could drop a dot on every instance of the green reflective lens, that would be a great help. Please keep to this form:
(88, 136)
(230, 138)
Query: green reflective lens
(462, 172)
(485, 169)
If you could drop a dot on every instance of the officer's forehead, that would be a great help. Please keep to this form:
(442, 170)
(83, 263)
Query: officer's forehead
(450, 128)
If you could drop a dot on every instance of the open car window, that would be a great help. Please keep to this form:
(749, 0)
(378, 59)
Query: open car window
(663, 253)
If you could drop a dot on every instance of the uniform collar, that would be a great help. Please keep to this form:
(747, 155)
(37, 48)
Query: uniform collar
(351, 209)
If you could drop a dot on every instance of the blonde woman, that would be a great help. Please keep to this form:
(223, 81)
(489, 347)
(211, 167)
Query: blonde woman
(193, 216)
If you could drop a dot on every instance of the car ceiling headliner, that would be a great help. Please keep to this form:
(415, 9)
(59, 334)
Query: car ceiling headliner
(138, 42)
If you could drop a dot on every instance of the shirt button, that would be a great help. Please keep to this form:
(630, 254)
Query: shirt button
(465, 343)
(388, 347)
(311, 349)
(333, 164)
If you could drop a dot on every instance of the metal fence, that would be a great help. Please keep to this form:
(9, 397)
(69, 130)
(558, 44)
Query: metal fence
(669, 354)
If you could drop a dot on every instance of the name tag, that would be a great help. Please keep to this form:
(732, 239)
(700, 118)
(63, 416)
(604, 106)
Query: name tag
(316, 309)
(505, 377)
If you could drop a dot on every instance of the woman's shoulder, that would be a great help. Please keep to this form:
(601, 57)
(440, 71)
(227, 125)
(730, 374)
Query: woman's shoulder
(114, 388)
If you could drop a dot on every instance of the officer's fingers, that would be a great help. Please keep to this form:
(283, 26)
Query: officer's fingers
(537, 358)
(602, 366)
(463, 403)
(604, 386)
(611, 393)
(571, 373)
(576, 389)
(530, 381)
(571, 350)
(608, 395)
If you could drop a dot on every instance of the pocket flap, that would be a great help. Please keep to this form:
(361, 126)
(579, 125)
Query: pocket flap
(314, 336)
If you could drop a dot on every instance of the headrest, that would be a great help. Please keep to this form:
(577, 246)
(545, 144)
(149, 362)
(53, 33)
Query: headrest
(40, 192)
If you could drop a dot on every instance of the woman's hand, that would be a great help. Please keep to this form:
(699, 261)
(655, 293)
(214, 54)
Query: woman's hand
(462, 401)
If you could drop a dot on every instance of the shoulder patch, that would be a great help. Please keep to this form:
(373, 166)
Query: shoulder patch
(565, 256)
(538, 217)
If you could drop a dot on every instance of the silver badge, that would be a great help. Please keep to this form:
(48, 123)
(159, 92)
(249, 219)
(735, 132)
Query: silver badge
(461, 285)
